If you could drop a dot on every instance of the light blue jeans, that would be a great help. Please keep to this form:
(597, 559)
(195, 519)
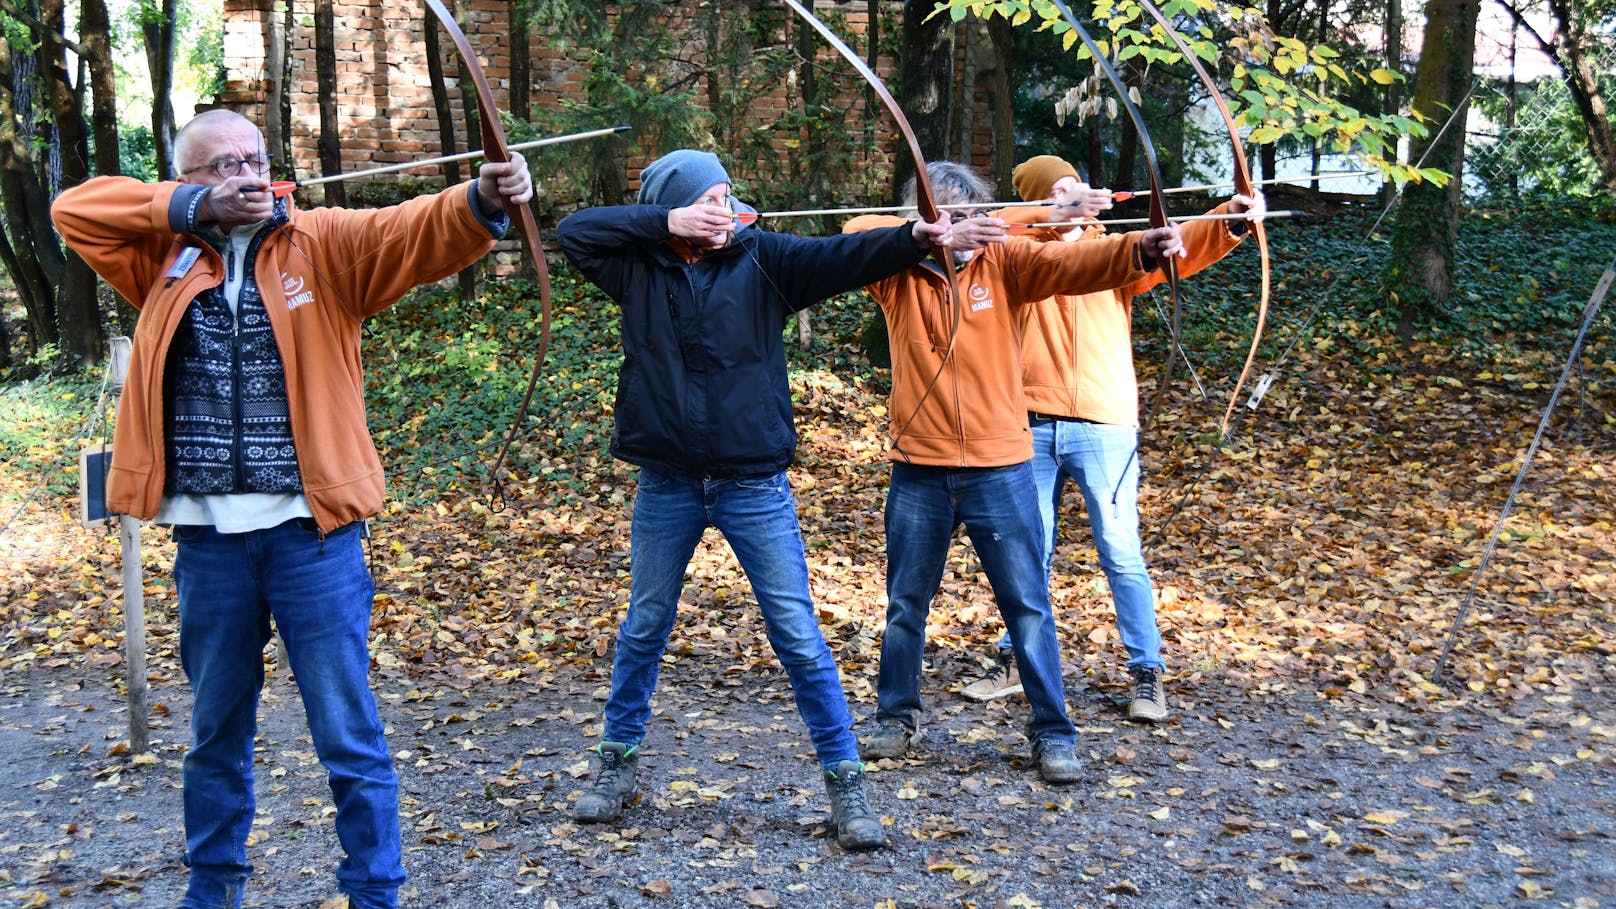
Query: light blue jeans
(318, 593)
(1101, 457)
(996, 505)
(758, 516)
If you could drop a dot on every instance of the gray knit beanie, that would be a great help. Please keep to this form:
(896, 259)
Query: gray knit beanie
(678, 178)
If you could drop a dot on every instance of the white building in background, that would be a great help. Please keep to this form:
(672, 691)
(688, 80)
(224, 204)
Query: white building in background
(1501, 51)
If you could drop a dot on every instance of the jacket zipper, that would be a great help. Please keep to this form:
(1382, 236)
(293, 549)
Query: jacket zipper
(953, 339)
(235, 374)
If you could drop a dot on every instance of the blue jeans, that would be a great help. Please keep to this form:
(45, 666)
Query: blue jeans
(924, 505)
(758, 516)
(318, 594)
(1101, 457)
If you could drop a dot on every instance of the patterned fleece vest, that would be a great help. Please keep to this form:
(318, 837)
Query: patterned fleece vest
(228, 428)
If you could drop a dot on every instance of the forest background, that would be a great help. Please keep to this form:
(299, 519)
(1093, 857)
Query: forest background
(1313, 564)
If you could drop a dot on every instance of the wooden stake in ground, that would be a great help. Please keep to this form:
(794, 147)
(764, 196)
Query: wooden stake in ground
(134, 588)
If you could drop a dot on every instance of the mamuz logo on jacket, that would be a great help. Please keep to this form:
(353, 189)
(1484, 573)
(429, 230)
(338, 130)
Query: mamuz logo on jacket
(295, 294)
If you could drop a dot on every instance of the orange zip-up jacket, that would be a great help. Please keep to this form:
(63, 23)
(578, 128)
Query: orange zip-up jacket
(321, 274)
(1077, 354)
(969, 411)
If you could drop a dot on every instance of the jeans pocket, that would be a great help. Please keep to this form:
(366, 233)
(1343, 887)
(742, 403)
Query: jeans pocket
(768, 482)
(652, 479)
(310, 528)
(188, 533)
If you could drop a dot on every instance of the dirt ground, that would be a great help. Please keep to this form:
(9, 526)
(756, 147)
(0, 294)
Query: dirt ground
(1266, 795)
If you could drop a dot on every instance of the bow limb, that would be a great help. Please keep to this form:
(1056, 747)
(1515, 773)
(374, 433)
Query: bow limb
(1158, 213)
(925, 199)
(496, 149)
(1243, 185)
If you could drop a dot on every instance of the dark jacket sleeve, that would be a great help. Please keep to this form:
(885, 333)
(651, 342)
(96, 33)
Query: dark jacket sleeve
(600, 241)
(810, 269)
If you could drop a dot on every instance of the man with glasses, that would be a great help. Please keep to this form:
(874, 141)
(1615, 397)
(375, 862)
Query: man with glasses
(704, 411)
(243, 428)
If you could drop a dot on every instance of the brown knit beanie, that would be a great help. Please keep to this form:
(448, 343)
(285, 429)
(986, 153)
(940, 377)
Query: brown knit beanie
(1035, 177)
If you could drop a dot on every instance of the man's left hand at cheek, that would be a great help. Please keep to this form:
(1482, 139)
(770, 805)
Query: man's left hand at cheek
(1085, 202)
(503, 181)
(975, 233)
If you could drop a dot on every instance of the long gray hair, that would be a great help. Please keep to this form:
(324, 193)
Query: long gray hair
(951, 183)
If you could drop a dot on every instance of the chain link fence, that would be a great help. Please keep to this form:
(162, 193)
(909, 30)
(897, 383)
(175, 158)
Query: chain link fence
(1526, 137)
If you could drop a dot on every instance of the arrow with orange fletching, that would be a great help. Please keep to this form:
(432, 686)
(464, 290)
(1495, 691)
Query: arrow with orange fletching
(1123, 195)
(751, 217)
(287, 187)
(1175, 219)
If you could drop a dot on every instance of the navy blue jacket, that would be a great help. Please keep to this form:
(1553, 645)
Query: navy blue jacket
(702, 391)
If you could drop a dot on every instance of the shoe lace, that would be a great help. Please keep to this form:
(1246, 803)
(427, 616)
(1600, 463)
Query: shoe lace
(612, 764)
(1146, 685)
(855, 801)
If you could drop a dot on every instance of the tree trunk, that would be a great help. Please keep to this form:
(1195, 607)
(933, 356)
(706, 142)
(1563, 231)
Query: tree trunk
(872, 104)
(1094, 175)
(277, 99)
(521, 90)
(96, 32)
(962, 113)
(78, 313)
(1394, 62)
(1127, 143)
(609, 176)
(5, 332)
(521, 99)
(325, 69)
(925, 85)
(808, 89)
(467, 279)
(1394, 54)
(1584, 86)
(1425, 235)
(1003, 103)
(713, 27)
(33, 259)
(159, 40)
(1578, 74)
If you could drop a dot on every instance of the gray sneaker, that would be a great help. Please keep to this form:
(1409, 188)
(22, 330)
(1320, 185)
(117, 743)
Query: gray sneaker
(1003, 681)
(613, 786)
(857, 827)
(1057, 761)
(1149, 704)
(891, 739)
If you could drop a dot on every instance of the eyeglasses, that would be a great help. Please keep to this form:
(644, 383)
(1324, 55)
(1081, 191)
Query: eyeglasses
(230, 167)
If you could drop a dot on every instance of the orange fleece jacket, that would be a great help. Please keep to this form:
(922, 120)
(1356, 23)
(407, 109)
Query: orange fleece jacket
(320, 275)
(1077, 355)
(974, 414)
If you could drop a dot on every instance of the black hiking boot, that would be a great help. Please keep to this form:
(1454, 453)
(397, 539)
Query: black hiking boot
(613, 787)
(857, 827)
